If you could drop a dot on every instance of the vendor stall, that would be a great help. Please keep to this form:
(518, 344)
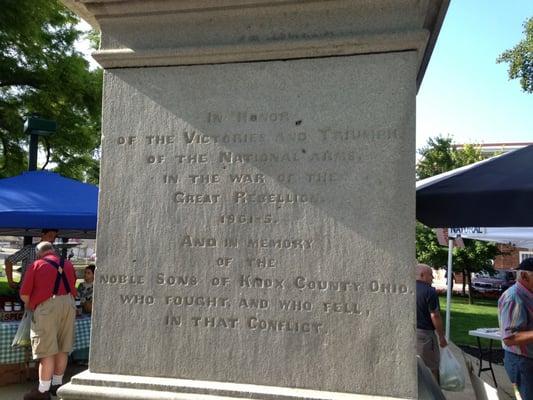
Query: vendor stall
(28, 203)
(16, 359)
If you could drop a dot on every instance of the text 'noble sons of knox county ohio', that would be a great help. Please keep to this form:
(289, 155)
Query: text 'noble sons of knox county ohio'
(251, 281)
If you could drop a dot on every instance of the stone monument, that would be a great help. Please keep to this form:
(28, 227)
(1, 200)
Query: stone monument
(257, 206)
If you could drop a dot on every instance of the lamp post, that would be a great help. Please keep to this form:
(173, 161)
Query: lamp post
(35, 127)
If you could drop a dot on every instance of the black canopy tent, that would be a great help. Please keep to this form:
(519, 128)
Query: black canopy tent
(497, 192)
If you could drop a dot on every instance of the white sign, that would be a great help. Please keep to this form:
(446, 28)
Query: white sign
(454, 232)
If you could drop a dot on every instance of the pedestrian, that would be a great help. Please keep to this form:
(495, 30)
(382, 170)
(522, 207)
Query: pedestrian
(515, 314)
(27, 255)
(49, 290)
(428, 320)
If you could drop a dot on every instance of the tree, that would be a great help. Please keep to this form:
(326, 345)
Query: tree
(42, 74)
(520, 58)
(439, 156)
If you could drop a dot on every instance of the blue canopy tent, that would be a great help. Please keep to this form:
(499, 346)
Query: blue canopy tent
(42, 199)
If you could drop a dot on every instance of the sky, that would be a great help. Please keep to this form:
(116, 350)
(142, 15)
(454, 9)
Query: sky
(465, 94)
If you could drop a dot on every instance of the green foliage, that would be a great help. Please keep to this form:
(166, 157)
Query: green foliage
(439, 156)
(520, 58)
(42, 74)
(474, 257)
(428, 250)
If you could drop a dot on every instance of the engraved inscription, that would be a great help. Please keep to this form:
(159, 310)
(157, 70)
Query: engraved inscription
(198, 301)
(273, 325)
(215, 322)
(121, 279)
(196, 198)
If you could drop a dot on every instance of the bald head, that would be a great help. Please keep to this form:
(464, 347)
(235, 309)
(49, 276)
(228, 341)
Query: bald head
(424, 273)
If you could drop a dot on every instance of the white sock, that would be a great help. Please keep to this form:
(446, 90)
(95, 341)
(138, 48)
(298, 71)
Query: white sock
(44, 386)
(57, 379)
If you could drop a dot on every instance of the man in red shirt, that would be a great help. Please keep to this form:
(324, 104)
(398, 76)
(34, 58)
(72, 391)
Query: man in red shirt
(49, 289)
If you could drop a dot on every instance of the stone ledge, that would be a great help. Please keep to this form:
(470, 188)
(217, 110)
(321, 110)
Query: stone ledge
(169, 32)
(95, 386)
(120, 58)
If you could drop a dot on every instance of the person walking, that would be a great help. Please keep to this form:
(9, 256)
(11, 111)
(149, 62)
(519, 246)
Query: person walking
(49, 289)
(515, 315)
(428, 320)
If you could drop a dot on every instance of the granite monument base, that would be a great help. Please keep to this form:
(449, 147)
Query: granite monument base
(93, 386)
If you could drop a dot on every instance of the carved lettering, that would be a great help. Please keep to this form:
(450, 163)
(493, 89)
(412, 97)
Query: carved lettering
(191, 158)
(160, 139)
(203, 179)
(196, 198)
(189, 241)
(248, 281)
(137, 299)
(215, 322)
(272, 325)
(198, 301)
(173, 320)
(261, 262)
(275, 198)
(121, 279)
(246, 116)
(247, 178)
(295, 305)
(339, 135)
(388, 288)
(303, 283)
(261, 304)
(180, 280)
(303, 244)
(346, 308)
(232, 158)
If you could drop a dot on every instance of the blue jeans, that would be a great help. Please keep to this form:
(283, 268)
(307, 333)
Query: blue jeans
(520, 371)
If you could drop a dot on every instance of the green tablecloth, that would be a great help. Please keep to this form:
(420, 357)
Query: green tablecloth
(9, 355)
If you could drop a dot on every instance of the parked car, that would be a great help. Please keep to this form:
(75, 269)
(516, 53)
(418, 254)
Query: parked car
(494, 284)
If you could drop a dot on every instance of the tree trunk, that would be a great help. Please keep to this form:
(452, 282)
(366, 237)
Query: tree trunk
(464, 282)
(469, 278)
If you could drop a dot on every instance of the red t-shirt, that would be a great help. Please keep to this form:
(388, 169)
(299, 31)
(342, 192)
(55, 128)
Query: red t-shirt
(40, 278)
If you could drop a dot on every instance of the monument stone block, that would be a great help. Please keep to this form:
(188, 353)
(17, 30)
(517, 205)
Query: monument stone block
(256, 222)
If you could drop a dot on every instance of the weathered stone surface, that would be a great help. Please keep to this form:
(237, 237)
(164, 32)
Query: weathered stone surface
(277, 198)
(187, 32)
(256, 226)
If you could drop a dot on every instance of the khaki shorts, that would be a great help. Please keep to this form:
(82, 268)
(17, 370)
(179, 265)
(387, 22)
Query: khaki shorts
(52, 327)
(427, 347)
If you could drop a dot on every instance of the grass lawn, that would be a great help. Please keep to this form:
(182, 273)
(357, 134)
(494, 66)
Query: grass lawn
(465, 317)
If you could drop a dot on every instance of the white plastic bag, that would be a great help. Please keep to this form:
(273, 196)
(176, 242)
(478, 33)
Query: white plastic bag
(451, 373)
(22, 337)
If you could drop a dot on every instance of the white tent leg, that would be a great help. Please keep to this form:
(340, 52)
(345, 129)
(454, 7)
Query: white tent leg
(449, 289)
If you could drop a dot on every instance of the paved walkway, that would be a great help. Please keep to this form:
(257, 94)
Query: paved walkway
(505, 390)
(15, 392)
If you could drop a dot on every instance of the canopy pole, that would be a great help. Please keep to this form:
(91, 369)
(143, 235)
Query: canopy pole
(449, 288)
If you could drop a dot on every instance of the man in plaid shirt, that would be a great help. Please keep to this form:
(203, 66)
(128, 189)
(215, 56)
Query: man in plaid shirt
(515, 312)
(27, 255)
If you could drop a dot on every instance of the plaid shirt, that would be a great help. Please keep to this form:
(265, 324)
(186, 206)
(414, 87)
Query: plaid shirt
(515, 314)
(28, 254)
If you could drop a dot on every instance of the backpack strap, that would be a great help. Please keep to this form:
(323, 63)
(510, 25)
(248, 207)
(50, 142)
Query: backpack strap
(60, 274)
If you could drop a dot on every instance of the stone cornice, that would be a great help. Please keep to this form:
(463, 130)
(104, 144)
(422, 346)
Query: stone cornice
(146, 33)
